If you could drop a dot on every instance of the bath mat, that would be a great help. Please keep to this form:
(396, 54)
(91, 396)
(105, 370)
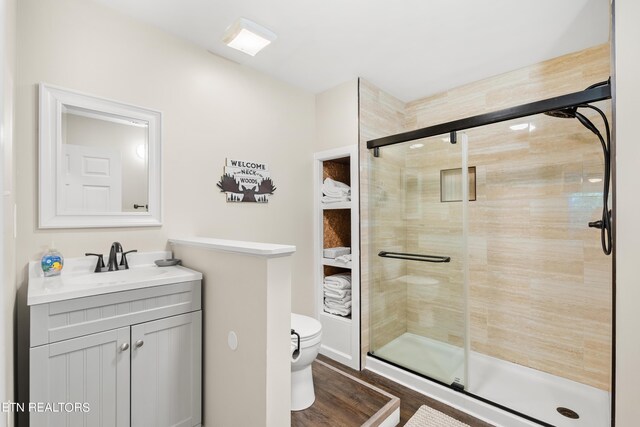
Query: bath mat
(429, 417)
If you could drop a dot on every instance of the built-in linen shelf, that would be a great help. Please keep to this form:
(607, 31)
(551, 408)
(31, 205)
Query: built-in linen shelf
(334, 263)
(345, 319)
(337, 225)
(336, 205)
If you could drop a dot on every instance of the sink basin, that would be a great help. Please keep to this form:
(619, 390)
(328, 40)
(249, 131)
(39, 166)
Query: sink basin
(78, 279)
(114, 277)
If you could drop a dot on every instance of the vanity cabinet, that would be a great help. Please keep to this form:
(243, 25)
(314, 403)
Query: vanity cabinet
(166, 372)
(92, 369)
(135, 357)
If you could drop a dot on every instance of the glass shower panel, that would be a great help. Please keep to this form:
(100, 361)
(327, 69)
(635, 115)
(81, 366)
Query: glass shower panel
(539, 283)
(417, 301)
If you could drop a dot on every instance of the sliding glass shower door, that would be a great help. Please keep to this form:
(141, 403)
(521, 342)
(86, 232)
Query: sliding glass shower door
(487, 264)
(417, 252)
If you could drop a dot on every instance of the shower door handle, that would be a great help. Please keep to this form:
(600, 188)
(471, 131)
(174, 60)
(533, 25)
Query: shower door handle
(414, 257)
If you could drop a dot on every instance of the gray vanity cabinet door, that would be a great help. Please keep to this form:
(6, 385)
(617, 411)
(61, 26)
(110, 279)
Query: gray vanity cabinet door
(92, 369)
(166, 368)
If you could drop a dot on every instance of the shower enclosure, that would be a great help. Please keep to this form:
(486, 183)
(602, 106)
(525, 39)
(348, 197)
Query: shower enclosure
(486, 275)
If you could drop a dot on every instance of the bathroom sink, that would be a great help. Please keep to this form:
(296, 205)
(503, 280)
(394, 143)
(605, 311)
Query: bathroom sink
(78, 279)
(107, 278)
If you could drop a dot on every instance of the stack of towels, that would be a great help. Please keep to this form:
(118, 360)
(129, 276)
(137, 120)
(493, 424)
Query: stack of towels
(337, 294)
(335, 191)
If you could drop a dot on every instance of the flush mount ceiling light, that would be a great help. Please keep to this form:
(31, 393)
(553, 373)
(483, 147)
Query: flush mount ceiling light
(248, 37)
(414, 146)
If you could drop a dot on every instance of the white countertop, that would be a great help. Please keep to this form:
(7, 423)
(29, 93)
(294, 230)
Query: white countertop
(251, 248)
(78, 279)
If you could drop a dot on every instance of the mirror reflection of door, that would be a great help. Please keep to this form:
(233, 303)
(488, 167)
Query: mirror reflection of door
(91, 180)
(106, 163)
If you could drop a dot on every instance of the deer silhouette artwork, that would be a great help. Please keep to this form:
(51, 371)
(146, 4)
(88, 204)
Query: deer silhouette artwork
(228, 184)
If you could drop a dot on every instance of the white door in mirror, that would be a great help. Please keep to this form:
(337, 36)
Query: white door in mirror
(92, 179)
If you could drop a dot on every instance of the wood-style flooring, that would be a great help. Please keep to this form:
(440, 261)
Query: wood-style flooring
(337, 404)
(344, 401)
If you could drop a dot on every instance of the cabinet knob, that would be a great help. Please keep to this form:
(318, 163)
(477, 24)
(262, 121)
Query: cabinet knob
(139, 343)
(124, 347)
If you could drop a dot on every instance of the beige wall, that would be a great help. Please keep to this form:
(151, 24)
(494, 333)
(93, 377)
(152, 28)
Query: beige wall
(337, 117)
(520, 308)
(212, 108)
(627, 88)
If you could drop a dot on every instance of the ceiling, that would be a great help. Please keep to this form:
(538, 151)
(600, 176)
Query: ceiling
(409, 48)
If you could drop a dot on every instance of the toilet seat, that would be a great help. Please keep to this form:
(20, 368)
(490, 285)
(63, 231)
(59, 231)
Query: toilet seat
(310, 330)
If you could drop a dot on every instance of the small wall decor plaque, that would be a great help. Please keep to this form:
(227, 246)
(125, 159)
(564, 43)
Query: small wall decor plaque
(246, 181)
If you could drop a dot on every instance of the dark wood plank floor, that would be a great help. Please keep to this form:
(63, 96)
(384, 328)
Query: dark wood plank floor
(410, 400)
(340, 401)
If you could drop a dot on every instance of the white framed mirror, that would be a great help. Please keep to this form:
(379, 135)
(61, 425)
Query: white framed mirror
(100, 162)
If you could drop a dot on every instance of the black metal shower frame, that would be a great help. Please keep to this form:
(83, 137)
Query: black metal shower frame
(598, 92)
(594, 94)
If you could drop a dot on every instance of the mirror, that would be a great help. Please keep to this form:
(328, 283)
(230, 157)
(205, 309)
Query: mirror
(99, 162)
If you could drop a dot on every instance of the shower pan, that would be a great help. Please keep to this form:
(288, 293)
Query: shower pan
(486, 275)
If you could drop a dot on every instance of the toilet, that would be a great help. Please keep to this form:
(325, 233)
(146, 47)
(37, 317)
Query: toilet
(310, 331)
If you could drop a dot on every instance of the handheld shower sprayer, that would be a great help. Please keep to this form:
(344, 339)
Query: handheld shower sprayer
(604, 224)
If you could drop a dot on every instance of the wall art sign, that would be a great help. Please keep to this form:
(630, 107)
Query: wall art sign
(245, 181)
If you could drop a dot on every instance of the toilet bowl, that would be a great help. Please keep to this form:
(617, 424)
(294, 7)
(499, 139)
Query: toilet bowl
(310, 331)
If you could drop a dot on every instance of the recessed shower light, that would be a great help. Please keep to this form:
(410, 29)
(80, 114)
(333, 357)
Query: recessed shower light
(414, 146)
(248, 37)
(523, 126)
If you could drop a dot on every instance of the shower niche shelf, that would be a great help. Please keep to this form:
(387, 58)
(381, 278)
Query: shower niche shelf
(337, 225)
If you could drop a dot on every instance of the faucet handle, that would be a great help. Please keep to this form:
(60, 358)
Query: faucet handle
(123, 259)
(99, 264)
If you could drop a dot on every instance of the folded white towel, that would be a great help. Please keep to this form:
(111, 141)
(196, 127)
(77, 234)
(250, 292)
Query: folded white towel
(340, 311)
(331, 187)
(330, 199)
(338, 281)
(336, 293)
(337, 286)
(335, 192)
(339, 300)
(333, 304)
(344, 258)
(335, 184)
(338, 278)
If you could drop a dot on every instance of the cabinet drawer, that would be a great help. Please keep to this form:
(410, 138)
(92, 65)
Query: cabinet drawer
(63, 320)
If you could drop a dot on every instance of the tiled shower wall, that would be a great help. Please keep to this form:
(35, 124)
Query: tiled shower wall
(540, 287)
(380, 115)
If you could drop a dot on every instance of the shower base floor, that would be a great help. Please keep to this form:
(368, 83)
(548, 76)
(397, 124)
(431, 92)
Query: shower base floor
(525, 390)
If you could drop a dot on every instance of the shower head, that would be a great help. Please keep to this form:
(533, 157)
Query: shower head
(572, 113)
(563, 113)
